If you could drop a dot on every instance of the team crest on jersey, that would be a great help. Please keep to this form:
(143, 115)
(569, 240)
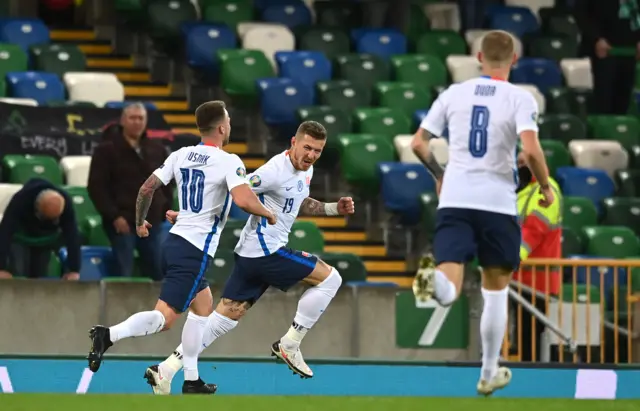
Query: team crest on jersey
(255, 181)
(300, 185)
(241, 172)
(534, 116)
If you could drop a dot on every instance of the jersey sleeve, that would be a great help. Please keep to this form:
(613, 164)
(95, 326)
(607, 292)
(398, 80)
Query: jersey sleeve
(236, 172)
(165, 171)
(264, 178)
(526, 113)
(436, 119)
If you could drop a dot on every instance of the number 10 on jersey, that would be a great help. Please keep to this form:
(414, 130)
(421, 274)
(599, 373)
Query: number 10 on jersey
(478, 134)
(192, 189)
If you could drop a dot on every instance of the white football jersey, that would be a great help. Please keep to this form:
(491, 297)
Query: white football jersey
(281, 188)
(485, 117)
(204, 177)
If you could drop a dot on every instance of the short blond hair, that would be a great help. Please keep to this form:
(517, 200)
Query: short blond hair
(497, 48)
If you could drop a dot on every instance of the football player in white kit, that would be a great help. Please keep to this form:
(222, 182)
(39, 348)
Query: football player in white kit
(263, 260)
(477, 213)
(206, 177)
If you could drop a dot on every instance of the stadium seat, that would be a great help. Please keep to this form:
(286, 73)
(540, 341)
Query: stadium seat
(554, 48)
(624, 129)
(19, 169)
(239, 71)
(6, 193)
(429, 208)
(228, 12)
(399, 184)
(463, 68)
(346, 15)
(202, 41)
(557, 155)
(577, 72)
(562, 25)
(383, 43)
(542, 73)
(472, 35)
(572, 242)
(560, 100)
(476, 46)
(231, 234)
(236, 213)
(291, 15)
(628, 183)
(623, 212)
(12, 59)
(308, 67)
(420, 69)
(73, 103)
(578, 212)
(438, 146)
(350, 266)
(407, 97)
(519, 21)
(441, 43)
(40, 86)
(58, 58)
(164, 19)
(149, 105)
(382, 120)
(611, 242)
(96, 262)
(363, 69)
(533, 5)
(593, 184)
(23, 32)
(93, 232)
(359, 158)
(269, 39)
(280, 99)
(97, 88)
(537, 95)
(82, 203)
(561, 127)
(601, 154)
(343, 95)
(220, 268)
(19, 101)
(335, 121)
(306, 236)
(581, 100)
(54, 269)
(330, 42)
(598, 279)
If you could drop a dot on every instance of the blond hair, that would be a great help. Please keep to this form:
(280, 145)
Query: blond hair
(497, 48)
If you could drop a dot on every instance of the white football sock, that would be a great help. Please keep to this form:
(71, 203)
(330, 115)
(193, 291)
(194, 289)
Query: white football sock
(310, 307)
(445, 290)
(192, 333)
(217, 326)
(138, 325)
(493, 324)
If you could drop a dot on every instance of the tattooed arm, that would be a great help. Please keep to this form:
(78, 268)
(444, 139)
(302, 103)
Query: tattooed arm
(311, 207)
(145, 196)
(420, 146)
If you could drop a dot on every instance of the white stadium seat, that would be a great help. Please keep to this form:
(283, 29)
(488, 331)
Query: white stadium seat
(19, 101)
(269, 39)
(439, 146)
(472, 35)
(97, 88)
(76, 170)
(577, 73)
(605, 155)
(6, 192)
(245, 27)
(534, 5)
(477, 45)
(542, 102)
(463, 68)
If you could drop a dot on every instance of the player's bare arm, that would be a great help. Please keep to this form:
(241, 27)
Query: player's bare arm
(145, 196)
(535, 159)
(246, 199)
(420, 146)
(312, 207)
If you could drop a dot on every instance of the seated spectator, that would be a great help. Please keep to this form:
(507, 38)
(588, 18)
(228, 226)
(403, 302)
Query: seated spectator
(33, 223)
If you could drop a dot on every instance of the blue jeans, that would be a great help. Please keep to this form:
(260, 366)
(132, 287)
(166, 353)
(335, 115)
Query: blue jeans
(123, 245)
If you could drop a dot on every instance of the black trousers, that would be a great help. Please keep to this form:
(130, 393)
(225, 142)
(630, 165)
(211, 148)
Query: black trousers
(529, 336)
(613, 80)
(28, 261)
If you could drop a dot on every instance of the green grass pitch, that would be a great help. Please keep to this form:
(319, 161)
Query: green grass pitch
(89, 402)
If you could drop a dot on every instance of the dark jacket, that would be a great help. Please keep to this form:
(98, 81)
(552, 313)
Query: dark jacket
(117, 172)
(20, 221)
(599, 19)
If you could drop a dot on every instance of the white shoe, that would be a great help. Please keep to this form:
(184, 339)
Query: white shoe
(424, 282)
(293, 358)
(501, 380)
(159, 384)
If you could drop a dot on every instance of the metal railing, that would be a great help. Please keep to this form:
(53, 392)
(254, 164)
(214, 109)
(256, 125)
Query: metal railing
(595, 307)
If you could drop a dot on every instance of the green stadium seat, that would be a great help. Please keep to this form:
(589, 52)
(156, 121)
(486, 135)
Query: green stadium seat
(583, 292)
(624, 129)
(330, 41)
(12, 58)
(127, 280)
(562, 25)
(578, 212)
(553, 47)
(557, 155)
(54, 269)
(59, 58)
(93, 232)
(558, 100)
(612, 242)
(350, 266)
(429, 204)
(572, 243)
(418, 23)
(306, 236)
(82, 204)
(337, 14)
(561, 127)
(343, 95)
(382, 120)
(359, 158)
(239, 72)
(221, 267)
(622, 211)
(231, 234)
(628, 183)
(581, 100)
(229, 12)
(441, 43)
(634, 156)
(175, 205)
(336, 122)
(422, 69)
(18, 169)
(635, 276)
(407, 97)
(165, 19)
(3, 88)
(362, 69)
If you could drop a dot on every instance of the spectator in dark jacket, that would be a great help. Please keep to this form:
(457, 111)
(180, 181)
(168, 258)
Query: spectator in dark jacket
(31, 229)
(119, 166)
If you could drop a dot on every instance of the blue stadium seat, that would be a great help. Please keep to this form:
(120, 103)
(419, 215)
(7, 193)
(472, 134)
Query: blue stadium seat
(96, 262)
(290, 15)
(308, 67)
(590, 183)
(401, 186)
(281, 98)
(542, 73)
(237, 213)
(24, 32)
(417, 119)
(516, 20)
(202, 41)
(383, 43)
(601, 276)
(122, 104)
(40, 86)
